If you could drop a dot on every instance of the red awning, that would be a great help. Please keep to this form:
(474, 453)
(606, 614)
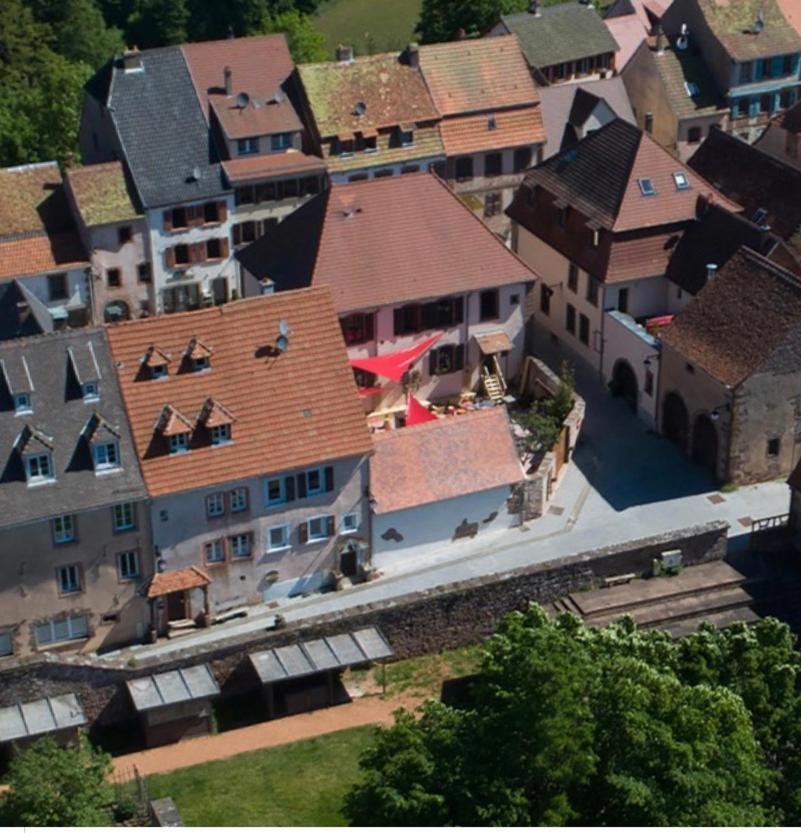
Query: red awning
(371, 391)
(416, 414)
(394, 365)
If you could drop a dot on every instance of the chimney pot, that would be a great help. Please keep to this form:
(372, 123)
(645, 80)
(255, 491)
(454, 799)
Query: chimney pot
(413, 55)
(344, 53)
(534, 8)
(711, 271)
(228, 76)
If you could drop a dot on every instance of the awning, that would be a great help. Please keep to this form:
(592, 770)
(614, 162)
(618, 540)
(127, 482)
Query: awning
(174, 581)
(394, 365)
(368, 132)
(416, 414)
(315, 655)
(491, 343)
(371, 391)
(39, 717)
(181, 686)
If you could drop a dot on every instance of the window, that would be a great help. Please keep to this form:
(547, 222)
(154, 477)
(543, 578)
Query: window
(124, 235)
(693, 136)
(563, 215)
(22, 403)
(211, 212)
(158, 371)
(57, 286)
(406, 138)
(91, 391)
(648, 387)
(179, 218)
(407, 319)
(63, 529)
(244, 195)
(39, 468)
(244, 232)
(69, 579)
(344, 147)
(245, 147)
(62, 629)
(545, 299)
(215, 505)
(371, 146)
(592, 290)
(358, 327)
(746, 72)
(281, 141)
(623, 299)
(740, 107)
(522, 159)
(113, 277)
(350, 522)
(214, 551)
(492, 204)
(214, 249)
(446, 359)
(646, 187)
(570, 319)
(200, 363)
(107, 455)
(123, 514)
(181, 254)
(774, 446)
(277, 538)
(765, 103)
(785, 98)
(128, 565)
(464, 168)
(787, 65)
(584, 329)
(240, 545)
(239, 499)
(493, 164)
(220, 434)
(318, 528)
(445, 312)
(681, 181)
(276, 491)
(572, 277)
(179, 443)
(315, 482)
(488, 305)
(6, 646)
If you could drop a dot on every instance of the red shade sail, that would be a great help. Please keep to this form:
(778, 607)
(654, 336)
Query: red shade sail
(394, 365)
(416, 414)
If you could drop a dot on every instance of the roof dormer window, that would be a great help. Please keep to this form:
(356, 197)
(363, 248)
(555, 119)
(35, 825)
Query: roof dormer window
(198, 355)
(91, 391)
(155, 363)
(39, 468)
(406, 135)
(22, 403)
(106, 455)
(175, 427)
(179, 443)
(220, 434)
(218, 421)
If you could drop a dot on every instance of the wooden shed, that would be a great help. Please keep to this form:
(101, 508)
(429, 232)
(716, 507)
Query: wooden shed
(23, 723)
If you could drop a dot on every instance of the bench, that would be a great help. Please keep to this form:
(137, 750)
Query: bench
(613, 581)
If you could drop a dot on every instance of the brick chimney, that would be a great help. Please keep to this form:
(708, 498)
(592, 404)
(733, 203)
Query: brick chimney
(413, 55)
(132, 59)
(228, 76)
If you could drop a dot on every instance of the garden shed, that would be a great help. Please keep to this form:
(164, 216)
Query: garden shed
(60, 717)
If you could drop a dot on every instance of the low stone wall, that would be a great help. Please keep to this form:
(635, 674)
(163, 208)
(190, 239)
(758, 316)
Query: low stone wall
(437, 619)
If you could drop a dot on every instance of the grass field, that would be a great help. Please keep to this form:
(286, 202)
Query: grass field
(369, 25)
(298, 785)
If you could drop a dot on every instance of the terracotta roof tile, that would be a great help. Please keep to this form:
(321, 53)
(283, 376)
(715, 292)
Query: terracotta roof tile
(446, 458)
(252, 168)
(293, 409)
(32, 255)
(471, 134)
(629, 33)
(470, 75)
(385, 241)
(641, 256)
(173, 581)
(101, 193)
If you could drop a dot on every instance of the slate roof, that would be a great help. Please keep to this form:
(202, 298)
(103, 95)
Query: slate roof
(60, 414)
(385, 241)
(677, 69)
(565, 32)
(293, 409)
(447, 458)
(739, 319)
(260, 66)
(755, 180)
(14, 323)
(101, 193)
(163, 133)
(473, 75)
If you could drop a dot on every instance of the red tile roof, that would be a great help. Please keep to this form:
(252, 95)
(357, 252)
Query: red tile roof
(385, 241)
(259, 67)
(512, 128)
(447, 458)
(33, 255)
(253, 168)
(470, 75)
(641, 257)
(292, 409)
(173, 581)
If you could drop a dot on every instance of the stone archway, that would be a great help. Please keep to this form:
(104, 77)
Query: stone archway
(675, 420)
(116, 311)
(705, 443)
(624, 383)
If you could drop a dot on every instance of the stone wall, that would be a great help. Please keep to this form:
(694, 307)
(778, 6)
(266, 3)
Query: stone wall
(437, 619)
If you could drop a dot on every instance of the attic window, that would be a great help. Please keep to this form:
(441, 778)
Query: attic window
(198, 355)
(158, 371)
(179, 443)
(406, 135)
(155, 362)
(682, 183)
(22, 403)
(759, 216)
(692, 88)
(220, 434)
(646, 187)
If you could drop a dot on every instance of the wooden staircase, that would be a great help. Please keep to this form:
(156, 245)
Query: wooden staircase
(494, 384)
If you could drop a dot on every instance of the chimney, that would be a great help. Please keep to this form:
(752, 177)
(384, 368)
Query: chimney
(132, 59)
(413, 55)
(649, 122)
(229, 87)
(711, 271)
(345, 53)
(759, 24)
(660, 40)
(534, 8)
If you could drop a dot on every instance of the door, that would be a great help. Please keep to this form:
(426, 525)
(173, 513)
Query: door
(675, 422)
(624, 383)
(705, 443)
(349, 560)
(176, 606)
(623, 300)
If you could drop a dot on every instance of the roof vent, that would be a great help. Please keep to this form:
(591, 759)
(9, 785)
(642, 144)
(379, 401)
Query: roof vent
(195, 175)
(759, 23)
(349, 213)
(683, 40)
(228, 79)
(711, 271)
(282, 342)
(278, 98)
(242, 100)
(359, 108)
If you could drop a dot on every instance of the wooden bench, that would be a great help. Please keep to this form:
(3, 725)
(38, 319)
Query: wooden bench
(613, 581)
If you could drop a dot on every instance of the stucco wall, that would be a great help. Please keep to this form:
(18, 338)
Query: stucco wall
(77, 290)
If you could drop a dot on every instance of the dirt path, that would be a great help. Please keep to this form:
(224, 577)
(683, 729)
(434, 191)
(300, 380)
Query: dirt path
(360, 712)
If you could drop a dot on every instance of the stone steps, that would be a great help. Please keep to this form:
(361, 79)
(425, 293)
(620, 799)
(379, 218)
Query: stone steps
(721, 619)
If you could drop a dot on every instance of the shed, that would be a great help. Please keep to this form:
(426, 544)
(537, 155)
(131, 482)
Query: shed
(59, 716)
(303, 676)
(174, 704)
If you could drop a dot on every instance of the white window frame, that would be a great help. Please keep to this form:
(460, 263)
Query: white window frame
(102, 458)
(285, 541)
(247, 146)
(324, 536)
(179, 443)
(220, 434)
(128, 565)
(352, 527)
(64, 529)
(280, 141)
(215, 543)
(200, 364)
(159, 371)
(74, 583)
(319, 491)
(234, 547)
(91, 391)
(71, 634)
(22, 403)
(238, 505)
(39, 477)
(216, 500)
(282, 486)
(121, 511)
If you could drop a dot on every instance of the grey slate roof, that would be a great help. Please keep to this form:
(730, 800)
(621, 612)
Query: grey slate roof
(61, 415)
(566, 32)
(162, 130)
(37, 320)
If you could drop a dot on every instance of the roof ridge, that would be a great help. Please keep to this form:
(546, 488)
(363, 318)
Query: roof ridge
(770, 266)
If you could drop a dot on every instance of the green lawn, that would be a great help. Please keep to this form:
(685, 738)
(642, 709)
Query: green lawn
(369, 25)
(299, 784)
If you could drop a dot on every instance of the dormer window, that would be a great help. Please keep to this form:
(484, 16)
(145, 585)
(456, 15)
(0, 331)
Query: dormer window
(248, 146)
(36, 451)
(280, 141)
(106, 455)
(158, 371)
(406, 135)
(39, 468)
(179, 443)
(218, 421)
(155, 363)
(175, 428)
(22, 403)
(198, 355)
(220, 434)
(343, 145)
(91, 391)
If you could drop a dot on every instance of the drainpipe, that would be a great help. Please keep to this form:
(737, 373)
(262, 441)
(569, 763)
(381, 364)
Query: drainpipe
(604, 310)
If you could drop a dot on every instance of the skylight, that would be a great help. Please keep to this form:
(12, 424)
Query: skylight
(682, 183)
(646, 187)
(759, 216)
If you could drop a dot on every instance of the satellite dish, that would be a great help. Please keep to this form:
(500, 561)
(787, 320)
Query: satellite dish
(283, 327)
(242, 100)
(281, 343)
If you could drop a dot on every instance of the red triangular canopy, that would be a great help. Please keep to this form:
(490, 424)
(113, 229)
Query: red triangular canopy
(416, 414)
(394, 365)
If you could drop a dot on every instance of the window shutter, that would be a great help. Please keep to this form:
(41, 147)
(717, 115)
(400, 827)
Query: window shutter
(303, 532)
(332, 526)
(168, 220)
(169, 257)
(458, 357)
(222, 211)
(224, 247)
(289, 488)
(369, 325)
(458, 310)
(329, 478)
(197, 252)
(302, 484)
(432, 363)
(398, 316)
(194, 215)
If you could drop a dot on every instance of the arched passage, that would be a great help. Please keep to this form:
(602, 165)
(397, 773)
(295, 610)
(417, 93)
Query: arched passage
(624, 383)
(705, 443)
(116, 311)
(675, 421)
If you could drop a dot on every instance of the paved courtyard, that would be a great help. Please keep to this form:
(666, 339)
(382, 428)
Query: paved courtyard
(625, 483)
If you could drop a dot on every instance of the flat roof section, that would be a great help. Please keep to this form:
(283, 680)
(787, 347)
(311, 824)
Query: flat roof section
(180, 686)
(39, 717)
(325, 654)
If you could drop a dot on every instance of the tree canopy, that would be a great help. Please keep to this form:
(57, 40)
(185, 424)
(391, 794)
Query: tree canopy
(569, 725)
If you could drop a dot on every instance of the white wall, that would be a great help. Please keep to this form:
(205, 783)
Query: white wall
(647, 296)
(77, 289)
(374, 162)
(429, 529)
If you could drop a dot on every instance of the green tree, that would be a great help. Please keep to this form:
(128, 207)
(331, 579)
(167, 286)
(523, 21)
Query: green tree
(306, 42)
(53, 786)
(442, 20)
(157, 23)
